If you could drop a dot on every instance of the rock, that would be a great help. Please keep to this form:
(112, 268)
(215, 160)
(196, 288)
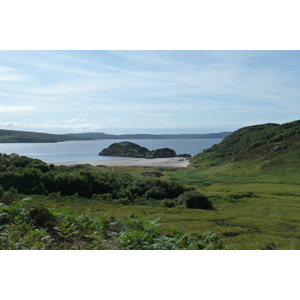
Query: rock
(185, 155)
(279, 148)
(161, 153)
(124, 149)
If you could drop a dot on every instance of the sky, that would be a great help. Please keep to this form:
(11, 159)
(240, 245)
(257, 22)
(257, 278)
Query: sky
(188, 91)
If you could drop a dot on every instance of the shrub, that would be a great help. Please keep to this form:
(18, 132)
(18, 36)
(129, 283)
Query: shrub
(42, 217)
(10, 197)
(156, 193)
(168, 203)
(194, 199)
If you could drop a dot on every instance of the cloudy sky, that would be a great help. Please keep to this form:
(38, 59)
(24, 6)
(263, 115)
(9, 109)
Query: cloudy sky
(147, 91)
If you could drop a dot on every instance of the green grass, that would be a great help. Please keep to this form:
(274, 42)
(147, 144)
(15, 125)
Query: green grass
(250, 223)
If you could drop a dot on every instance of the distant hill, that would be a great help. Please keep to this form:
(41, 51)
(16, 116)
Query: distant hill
(13, 136)
(100, 135)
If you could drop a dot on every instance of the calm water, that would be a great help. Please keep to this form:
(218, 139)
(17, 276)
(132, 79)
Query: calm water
(88, 150)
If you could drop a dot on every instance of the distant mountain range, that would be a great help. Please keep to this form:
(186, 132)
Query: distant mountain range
(13, 136)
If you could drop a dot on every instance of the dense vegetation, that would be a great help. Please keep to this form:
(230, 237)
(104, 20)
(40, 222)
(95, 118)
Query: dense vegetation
(31, 176)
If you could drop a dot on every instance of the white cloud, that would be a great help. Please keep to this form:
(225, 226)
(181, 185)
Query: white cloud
(48, 126)
(11, 74)
(73, 120)
(15, 108)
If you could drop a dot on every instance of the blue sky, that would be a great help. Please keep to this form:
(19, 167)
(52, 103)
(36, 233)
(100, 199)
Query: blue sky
(147, 91)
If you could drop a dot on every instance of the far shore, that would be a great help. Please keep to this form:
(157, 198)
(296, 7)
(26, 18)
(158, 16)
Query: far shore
(164, 162)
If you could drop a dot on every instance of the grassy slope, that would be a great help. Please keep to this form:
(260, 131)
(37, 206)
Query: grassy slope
(271, 215)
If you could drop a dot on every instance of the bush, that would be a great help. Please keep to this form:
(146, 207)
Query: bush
(42, 217)
(194, 199)
(10, 197)
(168, 203)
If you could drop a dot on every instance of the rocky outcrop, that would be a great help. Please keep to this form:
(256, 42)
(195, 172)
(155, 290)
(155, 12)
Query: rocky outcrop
(125, 149)
(279, 148)
(184, 155)
(128, 149)
(161, 153)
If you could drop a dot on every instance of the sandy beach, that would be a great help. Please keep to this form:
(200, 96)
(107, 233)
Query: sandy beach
(166, 162)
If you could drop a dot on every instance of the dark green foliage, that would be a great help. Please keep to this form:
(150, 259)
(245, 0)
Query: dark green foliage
(168, 203)
(31, 176)
(42, 217)
(1, 191)
(194, 199)
(243, 195)
(10, 196)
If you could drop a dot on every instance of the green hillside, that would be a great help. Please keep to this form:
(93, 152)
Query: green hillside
(247, 138)
(268, 151)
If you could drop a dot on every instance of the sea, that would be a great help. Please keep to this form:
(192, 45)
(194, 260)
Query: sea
(85, 151)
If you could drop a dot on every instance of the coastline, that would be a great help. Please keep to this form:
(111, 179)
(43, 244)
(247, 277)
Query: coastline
(164, 162)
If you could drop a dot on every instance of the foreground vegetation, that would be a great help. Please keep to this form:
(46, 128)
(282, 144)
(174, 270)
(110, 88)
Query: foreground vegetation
(39, 229)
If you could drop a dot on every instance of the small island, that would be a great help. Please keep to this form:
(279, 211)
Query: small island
(128, 149)
(125, 149)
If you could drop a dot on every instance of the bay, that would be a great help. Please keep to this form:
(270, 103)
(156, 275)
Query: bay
(79, 151)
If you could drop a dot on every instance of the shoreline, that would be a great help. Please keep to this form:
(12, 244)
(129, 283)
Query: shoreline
(155, 162)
